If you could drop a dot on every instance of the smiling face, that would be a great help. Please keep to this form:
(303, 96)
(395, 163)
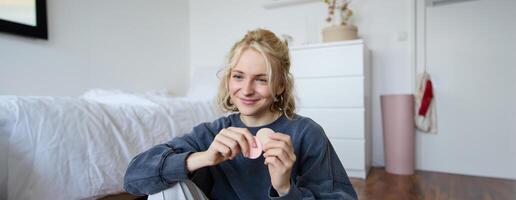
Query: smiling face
(249, 88)
(254, 84)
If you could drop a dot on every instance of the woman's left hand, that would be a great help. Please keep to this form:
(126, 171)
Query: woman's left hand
(279, 157)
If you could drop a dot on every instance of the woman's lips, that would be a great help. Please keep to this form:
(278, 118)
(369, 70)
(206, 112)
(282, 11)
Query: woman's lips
(249, 101)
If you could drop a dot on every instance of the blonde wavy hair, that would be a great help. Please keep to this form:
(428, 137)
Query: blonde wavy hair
(277, 59)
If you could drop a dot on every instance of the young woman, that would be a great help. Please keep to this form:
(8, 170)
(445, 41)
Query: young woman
(298, 161)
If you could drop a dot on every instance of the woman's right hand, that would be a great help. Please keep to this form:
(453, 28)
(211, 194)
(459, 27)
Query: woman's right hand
(227, 144)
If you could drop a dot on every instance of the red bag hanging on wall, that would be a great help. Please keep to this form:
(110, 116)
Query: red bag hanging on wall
(425, 117)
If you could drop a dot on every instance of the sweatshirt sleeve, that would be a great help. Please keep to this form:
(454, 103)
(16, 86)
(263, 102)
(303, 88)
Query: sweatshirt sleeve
(163, 165)
(320, 174)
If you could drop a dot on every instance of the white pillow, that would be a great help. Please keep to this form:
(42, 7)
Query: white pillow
(116, 97)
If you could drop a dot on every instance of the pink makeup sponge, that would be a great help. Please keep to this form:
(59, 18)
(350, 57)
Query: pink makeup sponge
(256, 151)
(262, 137)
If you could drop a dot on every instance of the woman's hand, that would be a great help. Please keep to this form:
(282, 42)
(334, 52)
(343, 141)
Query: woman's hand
(279, 157)
(227, 144)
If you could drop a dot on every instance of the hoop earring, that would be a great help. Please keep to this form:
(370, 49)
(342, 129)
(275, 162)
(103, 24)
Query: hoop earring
(279, 99)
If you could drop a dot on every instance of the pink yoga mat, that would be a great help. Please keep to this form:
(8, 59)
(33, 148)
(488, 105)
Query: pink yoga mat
(398, 133)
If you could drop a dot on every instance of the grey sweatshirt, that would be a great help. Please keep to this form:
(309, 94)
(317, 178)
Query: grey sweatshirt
(316, 174)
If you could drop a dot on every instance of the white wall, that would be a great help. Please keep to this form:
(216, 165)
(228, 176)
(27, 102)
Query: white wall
(216, 25)
(128, 45)
(471, 56)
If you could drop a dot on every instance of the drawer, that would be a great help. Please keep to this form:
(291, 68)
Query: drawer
(338, 122)
(351, 153)
(330, 92)
(329, 61)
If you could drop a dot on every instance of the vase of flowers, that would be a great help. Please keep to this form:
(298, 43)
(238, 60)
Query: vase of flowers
(339, 30)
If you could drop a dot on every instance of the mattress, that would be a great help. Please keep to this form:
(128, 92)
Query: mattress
(79, 147)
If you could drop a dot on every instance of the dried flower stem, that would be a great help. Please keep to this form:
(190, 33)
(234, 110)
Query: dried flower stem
(344, 11)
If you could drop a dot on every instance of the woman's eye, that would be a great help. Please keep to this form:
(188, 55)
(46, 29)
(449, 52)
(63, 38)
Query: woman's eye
(262, 80)
(236, 76)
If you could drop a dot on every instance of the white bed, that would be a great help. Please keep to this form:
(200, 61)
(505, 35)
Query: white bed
(79, 147)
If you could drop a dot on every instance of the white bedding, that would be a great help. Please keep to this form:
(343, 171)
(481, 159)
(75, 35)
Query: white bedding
(79, 148)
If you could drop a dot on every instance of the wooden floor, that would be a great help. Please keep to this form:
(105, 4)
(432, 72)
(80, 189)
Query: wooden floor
(421, 186)
(432, 185)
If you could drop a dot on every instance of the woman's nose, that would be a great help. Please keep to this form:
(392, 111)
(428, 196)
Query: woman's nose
(248, 88)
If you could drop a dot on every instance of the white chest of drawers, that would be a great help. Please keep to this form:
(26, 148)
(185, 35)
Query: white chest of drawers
(333, 88)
